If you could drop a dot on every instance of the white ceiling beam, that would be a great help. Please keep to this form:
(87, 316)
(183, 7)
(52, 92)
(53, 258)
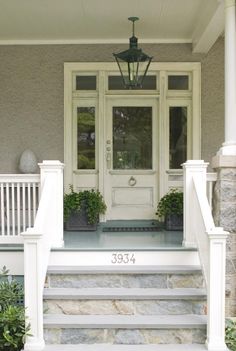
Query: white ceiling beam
(205, 35)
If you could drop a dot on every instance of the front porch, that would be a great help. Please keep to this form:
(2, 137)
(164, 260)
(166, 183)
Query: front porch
(47, 248)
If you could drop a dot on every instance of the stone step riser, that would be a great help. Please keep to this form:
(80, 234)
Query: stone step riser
(161, 281)
(125, 336)
(125, 307)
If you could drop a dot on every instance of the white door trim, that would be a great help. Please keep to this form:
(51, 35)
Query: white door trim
(101, 70)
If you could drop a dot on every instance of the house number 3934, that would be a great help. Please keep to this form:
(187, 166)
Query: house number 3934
(120, 258)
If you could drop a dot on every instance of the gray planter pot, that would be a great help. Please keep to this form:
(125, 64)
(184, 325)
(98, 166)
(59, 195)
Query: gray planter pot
(174, 222)
(78, 221)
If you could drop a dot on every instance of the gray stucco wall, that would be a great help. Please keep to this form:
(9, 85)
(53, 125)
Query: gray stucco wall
(31, 95)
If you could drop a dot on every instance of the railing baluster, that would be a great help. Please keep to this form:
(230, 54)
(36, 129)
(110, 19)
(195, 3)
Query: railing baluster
(8, 208)
(2, 210)
(18, 209)
(23, 206)
(13, 208)
(34, 201)
(29, 204)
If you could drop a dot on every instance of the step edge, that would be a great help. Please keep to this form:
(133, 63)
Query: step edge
(124, 322)
(123, 293)
(171, 269)
(130, 347)
(133, 347)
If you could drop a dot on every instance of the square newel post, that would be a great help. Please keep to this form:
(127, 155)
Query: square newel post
(33, 289)
(191, 169)
(54, 170)
(216, 291)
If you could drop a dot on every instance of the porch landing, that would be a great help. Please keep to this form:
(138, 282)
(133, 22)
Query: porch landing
(125, 235)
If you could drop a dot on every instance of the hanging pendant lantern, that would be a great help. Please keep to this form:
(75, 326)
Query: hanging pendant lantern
(133, 63)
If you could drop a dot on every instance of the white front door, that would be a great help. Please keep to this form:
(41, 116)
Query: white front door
(131, 172)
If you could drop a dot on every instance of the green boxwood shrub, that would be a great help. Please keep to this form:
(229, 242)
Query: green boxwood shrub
(230, 334)
(13, 328)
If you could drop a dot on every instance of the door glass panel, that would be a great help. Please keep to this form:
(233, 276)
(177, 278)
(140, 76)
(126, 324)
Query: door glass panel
(86, 137)
(116, 83)
(86, 82)
(178, 82)
(132, 137)
(178, 136)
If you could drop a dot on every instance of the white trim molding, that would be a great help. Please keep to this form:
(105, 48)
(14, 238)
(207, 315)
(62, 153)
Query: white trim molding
(206, 34)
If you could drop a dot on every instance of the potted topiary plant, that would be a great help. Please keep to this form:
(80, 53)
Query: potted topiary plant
(82, 209)
(170, 207)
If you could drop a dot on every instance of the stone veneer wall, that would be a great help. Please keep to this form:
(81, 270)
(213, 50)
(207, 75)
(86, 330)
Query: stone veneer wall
(32, 95)
(225, 216)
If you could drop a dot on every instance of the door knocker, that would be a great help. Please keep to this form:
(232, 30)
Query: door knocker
(132, 181)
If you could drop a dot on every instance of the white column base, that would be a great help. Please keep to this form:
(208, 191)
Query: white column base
(216, 346)
(228, 149)
(34, 346)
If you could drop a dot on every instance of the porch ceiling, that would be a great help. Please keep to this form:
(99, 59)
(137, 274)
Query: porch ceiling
(105, 21)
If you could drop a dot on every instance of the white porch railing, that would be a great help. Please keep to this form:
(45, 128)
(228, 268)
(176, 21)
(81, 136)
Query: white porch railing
(176, 177)
(200, 231)
(19, 196)
(47, 232)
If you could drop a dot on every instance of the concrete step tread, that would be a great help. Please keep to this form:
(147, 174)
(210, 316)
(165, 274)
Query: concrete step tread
(125, 269)
(107, 347)
(123, 293)
(124, 321)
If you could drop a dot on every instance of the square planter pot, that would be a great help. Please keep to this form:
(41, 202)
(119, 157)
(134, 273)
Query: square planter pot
(78, 221)
(174, 222)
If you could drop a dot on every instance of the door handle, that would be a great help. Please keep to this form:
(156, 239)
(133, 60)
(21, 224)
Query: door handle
(108, 158)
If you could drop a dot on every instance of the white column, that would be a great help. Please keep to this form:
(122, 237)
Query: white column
(33, 289)
(229, 146)
(54, 169)
(191, 168)
(216, 291)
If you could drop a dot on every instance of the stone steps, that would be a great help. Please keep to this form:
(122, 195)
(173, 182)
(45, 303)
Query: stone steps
(127, 301)
(128, 306)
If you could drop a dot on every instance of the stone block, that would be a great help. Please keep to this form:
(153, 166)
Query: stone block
(185, 281)
(127, 337)
(228, 191)
(230, 268)
(108, 281)
(52, 336)
(82, 336)
(227, 174)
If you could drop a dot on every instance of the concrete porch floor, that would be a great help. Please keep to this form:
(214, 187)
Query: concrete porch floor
(103, 239)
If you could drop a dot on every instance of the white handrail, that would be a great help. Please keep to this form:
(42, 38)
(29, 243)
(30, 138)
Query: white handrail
(200, 230)
(38, 241)
(19, 194)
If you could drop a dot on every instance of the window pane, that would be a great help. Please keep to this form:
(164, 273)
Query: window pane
(116, 83)
(178, 136)
(86, 82)
(178, 82)
(86, 137)
(132, 137)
